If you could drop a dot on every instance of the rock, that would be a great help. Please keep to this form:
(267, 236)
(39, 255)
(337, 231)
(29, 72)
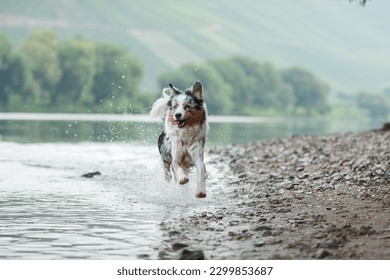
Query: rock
(178, 246)
(259, 244)
(260, 228)
(304, 176)
(289, 186)
(192, 255)
(91, 174)
(173, 233)
(267, 233)
(386, 126)
(143, 256)
(329, 244)
(322, 253)
(283, 210)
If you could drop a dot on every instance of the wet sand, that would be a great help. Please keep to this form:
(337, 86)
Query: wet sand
(309, 197)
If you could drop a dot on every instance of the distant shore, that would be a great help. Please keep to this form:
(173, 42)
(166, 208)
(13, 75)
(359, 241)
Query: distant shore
(126, 117)
(306, 197)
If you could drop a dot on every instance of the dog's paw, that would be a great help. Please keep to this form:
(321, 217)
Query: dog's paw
(201, 195)
(183, 181)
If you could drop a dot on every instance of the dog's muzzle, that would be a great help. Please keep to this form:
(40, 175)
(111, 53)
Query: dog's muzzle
(180, 123)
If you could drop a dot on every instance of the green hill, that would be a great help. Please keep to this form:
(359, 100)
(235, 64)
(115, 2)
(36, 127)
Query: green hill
(341, 42)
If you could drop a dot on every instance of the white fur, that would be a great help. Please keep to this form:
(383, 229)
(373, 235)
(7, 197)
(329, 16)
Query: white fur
(160, 107)
(187, 143)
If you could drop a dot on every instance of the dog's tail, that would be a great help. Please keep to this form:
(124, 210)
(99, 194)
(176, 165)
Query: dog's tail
(160, 107)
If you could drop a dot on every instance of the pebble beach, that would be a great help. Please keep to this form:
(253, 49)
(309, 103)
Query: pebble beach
(304, 197)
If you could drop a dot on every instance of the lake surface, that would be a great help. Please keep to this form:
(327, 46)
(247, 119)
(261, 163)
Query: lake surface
(48, 128)
(49, 211)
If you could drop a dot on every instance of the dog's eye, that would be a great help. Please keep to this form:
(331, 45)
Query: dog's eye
(187, 107)
(174, 107)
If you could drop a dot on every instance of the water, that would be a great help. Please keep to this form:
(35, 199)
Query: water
(48, 211)
(38, 128)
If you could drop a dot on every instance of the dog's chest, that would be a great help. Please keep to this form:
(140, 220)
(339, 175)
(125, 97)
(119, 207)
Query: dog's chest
(185, 159)
(188, 135)
(186, 145)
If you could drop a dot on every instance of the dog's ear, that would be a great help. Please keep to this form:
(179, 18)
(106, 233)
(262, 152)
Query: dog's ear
(197, 90)
(173, 89)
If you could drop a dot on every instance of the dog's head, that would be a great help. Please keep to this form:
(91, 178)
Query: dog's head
(186, 108)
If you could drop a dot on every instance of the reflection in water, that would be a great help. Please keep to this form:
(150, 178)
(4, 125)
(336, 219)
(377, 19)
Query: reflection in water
(141, 131)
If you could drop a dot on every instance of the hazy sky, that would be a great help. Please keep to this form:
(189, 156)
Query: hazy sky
(343, 43)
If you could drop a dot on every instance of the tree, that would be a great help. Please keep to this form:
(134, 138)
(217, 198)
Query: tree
(271, 91)
(5, 52)
(376, 105)
(117, 74)
(241, 83)
(41, 52)
(217, 93)
(310, 92)
(13, 72)
(256, 85)
(77, 63)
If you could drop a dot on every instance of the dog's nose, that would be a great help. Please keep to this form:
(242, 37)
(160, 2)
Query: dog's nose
(178, 115)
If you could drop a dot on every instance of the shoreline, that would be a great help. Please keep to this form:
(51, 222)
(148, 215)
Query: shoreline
(304, 197)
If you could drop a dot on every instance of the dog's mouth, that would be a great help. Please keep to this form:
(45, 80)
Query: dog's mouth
(180, 123)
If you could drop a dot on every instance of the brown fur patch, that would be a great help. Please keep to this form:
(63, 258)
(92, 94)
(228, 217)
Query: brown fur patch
(171, 118)
(195, 117)
(186, 161)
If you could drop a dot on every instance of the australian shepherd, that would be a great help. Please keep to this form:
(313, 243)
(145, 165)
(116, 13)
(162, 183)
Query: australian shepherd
(181, 144)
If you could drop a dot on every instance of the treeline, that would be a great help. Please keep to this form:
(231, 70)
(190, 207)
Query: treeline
(78, 75)
(240, 85)
(377, 105)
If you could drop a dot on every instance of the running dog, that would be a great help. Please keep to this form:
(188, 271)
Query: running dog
(181, 144)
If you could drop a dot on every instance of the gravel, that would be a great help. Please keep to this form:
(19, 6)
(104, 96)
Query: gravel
(306, 197)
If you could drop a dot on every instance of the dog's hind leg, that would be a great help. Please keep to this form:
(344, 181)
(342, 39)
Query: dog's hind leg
(178, 173)
(164, 147)
(167, 171)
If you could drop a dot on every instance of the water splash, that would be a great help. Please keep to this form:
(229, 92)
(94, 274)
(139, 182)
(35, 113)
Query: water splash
(51, 212)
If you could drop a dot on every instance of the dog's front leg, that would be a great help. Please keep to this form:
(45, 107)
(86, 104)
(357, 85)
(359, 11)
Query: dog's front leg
(177, 170)
(197, 155)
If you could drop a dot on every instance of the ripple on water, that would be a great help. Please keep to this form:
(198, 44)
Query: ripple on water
(49, 212)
